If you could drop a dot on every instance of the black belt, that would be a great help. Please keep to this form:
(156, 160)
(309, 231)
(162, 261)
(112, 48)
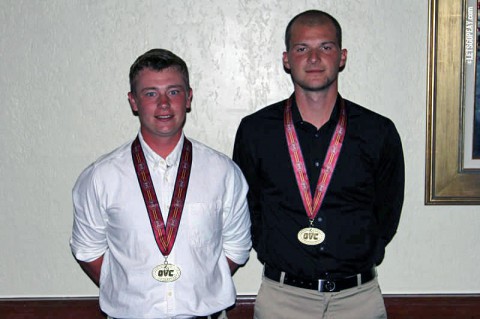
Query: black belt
(212, 316)
(321, 285)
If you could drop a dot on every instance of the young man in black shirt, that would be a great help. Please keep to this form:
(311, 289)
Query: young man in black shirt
(326, 180)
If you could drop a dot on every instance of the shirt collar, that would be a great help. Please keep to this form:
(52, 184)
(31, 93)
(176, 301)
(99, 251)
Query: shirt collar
(152, 157)
(297, 117)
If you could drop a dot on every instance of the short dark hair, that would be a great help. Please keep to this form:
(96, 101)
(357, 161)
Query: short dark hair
(158, 60)
(313, 17)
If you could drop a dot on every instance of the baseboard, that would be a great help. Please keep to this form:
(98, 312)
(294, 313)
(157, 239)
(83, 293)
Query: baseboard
(433, 306)
(398, 307)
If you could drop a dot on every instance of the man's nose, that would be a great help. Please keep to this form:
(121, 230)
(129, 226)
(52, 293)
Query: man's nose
(314, 55)
(163, 101)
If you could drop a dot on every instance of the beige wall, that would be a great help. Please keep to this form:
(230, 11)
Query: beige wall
(63, 83)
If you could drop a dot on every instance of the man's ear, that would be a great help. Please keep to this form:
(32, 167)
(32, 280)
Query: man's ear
(343, 59)
(286, 64)
(189, 100)
(133, 103)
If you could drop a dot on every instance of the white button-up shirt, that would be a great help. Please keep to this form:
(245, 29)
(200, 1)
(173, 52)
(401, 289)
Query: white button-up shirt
(110, 219)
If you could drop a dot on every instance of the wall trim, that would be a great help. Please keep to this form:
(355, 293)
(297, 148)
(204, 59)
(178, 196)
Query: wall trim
(438, 306)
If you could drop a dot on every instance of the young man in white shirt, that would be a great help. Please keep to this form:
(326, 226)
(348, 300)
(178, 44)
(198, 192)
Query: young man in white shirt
(162, 222)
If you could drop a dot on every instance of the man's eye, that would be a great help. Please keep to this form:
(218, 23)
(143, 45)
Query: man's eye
(301, 49)
(174, 92)
(329, 48)
(150, 94)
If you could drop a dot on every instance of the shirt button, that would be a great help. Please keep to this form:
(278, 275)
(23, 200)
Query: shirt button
(320, 219)
(317, 164)
(317, 135)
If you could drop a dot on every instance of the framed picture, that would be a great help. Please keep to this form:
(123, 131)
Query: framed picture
(452, 166)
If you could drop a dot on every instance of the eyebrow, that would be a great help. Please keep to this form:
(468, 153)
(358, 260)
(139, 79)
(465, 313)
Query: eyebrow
(322, 43)
(173, 86)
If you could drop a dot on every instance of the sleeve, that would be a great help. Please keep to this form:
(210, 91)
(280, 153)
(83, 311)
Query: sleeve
(236, 225)
(244, 156)
(88, 241)
(390, 187)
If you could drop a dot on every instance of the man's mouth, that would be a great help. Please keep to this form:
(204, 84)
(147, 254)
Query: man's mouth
(163, 117)
(314, 71)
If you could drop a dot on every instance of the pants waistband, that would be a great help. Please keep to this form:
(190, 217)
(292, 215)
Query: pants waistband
(321, 285)
(212, 316)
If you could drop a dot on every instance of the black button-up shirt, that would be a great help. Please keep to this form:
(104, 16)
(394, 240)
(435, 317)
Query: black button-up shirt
(362, 206)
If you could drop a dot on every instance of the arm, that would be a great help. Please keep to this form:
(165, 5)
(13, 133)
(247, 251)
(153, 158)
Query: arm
(390, 185)
(236, 220)
(92, 269)
(244, 158)
(88, 241)
(233, 266)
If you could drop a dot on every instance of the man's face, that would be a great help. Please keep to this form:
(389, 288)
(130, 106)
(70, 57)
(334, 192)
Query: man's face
(161, 100)
(314, 57)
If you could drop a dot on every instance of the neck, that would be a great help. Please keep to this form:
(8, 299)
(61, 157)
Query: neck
(316, 107)
(164, 145)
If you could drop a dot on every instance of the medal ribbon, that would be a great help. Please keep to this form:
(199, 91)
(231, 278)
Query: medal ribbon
(165, 235)
(312, 206)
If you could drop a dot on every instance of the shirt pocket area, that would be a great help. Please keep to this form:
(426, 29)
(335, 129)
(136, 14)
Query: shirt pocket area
(204, 222)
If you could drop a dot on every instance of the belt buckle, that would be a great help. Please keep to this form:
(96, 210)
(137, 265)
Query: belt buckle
(326, 285)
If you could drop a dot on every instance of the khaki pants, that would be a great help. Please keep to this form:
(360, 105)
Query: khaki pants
(279, 301)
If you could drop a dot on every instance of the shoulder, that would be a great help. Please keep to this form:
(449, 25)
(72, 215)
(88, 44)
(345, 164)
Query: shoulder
(210, 162)
(209, 155)
(117, 157)
(271, 112)
(264, 122)
(106, 165)
(371, 129)
(360, 115)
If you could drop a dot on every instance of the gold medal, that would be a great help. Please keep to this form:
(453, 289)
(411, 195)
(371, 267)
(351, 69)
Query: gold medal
(166, 272)
(311, 236)
(164, 233)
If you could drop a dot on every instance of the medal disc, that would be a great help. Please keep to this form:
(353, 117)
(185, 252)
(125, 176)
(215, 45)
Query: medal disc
(311, 236)
(166, 273)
